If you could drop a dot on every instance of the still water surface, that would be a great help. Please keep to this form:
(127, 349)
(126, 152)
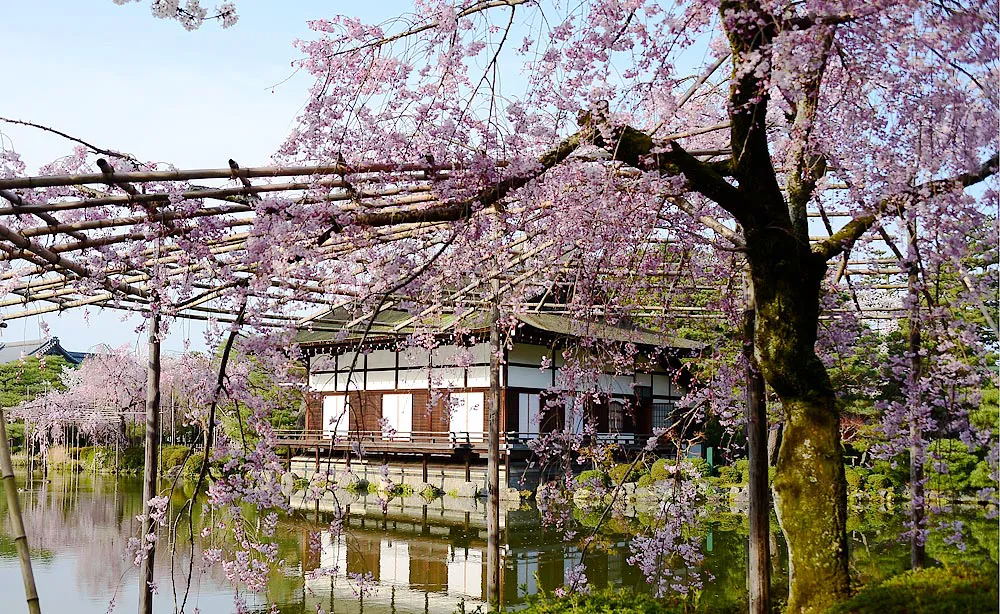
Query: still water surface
(422, 559)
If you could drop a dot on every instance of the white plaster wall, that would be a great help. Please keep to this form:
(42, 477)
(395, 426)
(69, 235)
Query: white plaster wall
(447, 377)
(413, 379)
(479, 377)
(321, 382)
(662, 385)
(381, 380)
(616, 385)
(381, 359)
(525, 353)
(529, 377)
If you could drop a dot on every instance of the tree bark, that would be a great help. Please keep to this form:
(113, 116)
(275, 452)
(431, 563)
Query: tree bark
(149, 485)
(809, 488)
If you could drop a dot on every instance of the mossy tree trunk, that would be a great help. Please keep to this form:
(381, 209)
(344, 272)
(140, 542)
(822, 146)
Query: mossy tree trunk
(809, 486)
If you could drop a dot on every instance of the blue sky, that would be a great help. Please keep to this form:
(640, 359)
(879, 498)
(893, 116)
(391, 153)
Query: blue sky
(122, 79)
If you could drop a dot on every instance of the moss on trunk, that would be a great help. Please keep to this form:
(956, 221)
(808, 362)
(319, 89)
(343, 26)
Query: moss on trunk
(809, 487)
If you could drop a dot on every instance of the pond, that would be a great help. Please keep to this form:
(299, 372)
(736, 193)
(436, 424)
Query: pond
(420, 559)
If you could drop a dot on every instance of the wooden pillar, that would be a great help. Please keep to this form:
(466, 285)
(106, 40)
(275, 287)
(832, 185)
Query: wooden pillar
(468, 469)
(16, 521)
(759, 565)
(317, 458)
(493, 464)
(424, 468)
(150, 484)
(918, 552)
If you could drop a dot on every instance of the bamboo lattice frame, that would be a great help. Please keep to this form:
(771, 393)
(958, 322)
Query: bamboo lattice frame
(46, 254)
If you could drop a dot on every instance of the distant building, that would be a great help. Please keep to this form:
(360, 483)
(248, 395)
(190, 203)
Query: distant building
(369, 388)
(12, 351)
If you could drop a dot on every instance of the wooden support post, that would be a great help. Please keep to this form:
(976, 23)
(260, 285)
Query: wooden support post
(493, 464)
(424, 467)
(317, 458)
(468, 469)
(16, 521)
(150, 483)
(918, 552)
(759, 566)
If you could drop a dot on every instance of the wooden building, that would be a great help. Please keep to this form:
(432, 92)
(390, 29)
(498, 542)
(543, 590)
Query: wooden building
(379, 392)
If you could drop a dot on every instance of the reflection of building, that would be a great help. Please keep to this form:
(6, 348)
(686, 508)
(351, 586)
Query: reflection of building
(419, 567)
(372, 391)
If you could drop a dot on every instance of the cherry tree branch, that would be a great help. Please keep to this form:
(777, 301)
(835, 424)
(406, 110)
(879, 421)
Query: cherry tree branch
(897, 203)
(488, 197)
(93, 148)
(478, 7)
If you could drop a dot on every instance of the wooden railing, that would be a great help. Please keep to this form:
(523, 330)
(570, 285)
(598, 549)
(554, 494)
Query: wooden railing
(430, 441)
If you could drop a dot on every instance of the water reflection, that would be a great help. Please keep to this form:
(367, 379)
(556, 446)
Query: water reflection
(407, 557)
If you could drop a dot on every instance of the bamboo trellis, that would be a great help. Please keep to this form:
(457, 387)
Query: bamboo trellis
(47, 252)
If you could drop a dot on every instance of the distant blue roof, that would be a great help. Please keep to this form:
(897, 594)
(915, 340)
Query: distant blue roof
(11, 351)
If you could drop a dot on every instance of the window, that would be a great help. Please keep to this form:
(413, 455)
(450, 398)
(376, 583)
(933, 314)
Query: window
(467, 415)
(616, 417)
(335, 415)
(662, 413)
(575, 413)
(397, 416)
(527, 415)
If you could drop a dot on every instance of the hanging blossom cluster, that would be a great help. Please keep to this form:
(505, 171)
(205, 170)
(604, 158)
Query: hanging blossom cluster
(670, 557)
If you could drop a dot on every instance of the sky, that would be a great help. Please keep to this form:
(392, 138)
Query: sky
(121, 79)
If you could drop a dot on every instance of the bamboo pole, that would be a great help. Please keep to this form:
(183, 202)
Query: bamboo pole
(150, 484)
(17, 522)
(48, 181)
(493, 461)
(759, 565)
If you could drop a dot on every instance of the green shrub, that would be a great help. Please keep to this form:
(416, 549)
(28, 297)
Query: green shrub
(898, 472)
(729, 475)
(981, 476)
(593, 478)
(173, 456)
(853, 478)
(193, 466)
(878, 481)
(934, 590)
(949, 466)
(431, 492)
(646, 481)
(625, 472)
(132, 460)
(700, 465)
(659, 470)
(743, 466)
(599, 602)
(15, 433)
